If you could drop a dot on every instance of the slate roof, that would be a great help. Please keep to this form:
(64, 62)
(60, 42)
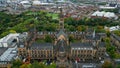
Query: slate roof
(101, 44)
(115, 36)
(48, 46)
(76, 45)
(90, 37)
(89, 30)
(101, 34)
(21, 44)
(2, 50)
(61, 32)
(9, 54)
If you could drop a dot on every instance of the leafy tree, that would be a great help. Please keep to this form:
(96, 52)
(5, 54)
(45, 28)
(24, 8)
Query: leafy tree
(107, 64)
(71, 28)
(107, 40)
(108, 33)
(4, 34)
(53, 65)
(48, 38)
(25, 21)
(25, 66)
(118, 66)
(36, 65)
(109, 48)
(83, 27)
(71, 38)
(43, 65)
(16, 63)
(117, 55)
(117, 32)
(79, 28)
(12, 31)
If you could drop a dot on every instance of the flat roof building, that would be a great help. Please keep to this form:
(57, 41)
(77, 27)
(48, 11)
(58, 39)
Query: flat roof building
(109, 15)
(9, 40)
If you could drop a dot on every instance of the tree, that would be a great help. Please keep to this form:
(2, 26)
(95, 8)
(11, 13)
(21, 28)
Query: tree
(117, 32)
(71, 28)
(37, 65)
(83, 28)
(25, 66)
(118, 66)
(107, 40)
(117, 55)
(79, 28)
(107, 64)
(48, 39)
(71, 38)
(108, 33)
(16, 63)
(12, 31)
(52, 65)
(4, 34)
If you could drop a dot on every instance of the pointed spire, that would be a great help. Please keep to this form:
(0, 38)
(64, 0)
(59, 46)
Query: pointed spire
(61, 12)
(61, 22)
(94, 34)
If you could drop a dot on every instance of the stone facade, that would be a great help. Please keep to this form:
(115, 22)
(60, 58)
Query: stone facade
(87, 50)
(115, 40)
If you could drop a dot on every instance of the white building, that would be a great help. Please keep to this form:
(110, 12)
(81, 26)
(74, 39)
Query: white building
(107, 7)
(8, 46)
(9, 54)
(25, 4)
(36, 2)
(9, 40)
(3, 3)
(109, 15)
(113, 28)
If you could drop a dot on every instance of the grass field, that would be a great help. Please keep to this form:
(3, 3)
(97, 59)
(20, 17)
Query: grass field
(54, 16)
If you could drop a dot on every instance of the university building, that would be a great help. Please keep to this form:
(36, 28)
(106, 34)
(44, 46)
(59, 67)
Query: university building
(115, 39)
(90, 48)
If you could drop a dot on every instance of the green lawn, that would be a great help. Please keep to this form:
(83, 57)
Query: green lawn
(53, 15)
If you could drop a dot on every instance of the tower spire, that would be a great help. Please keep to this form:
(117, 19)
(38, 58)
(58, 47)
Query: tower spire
(61, 21)
(94, 34)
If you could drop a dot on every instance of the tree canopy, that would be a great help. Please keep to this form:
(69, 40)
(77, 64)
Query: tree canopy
(107, 64)
(25, 21)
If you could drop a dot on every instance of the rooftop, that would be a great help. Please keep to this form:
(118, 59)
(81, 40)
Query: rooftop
(106, 7)
(24, 2)
(115, 36)
(2, 50)
(9, 54)
(21, 44)
(90, 37)
(104, 14)
(61, 32)
(101, 44)
(82, 45)
(8, 37)
(42, 46)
